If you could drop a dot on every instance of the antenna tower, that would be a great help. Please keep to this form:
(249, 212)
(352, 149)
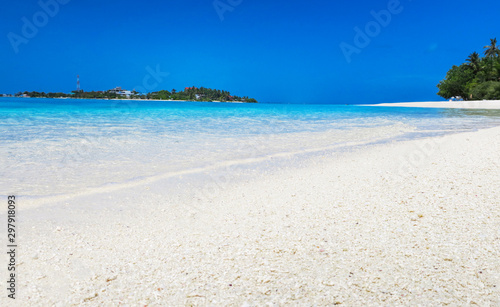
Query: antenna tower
(78, 83)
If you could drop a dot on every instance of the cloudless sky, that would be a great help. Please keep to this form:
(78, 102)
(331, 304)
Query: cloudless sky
(273, 50)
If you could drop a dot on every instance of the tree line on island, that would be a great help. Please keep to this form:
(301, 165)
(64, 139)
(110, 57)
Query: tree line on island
(188, 94)
(477, 79)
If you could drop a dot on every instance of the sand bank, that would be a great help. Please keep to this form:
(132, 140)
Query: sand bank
(486, 104)
(414, 222)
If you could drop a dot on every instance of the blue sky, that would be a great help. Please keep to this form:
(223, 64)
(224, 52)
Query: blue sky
(275, 51)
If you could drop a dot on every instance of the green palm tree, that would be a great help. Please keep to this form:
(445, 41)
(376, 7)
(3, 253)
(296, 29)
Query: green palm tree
(474, 62)
(492, 51)
(496, 71)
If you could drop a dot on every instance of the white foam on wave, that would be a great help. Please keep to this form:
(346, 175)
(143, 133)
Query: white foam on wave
(101, 173)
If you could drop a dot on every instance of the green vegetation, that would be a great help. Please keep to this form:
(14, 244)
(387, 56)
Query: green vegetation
(477, 79)
(198, 94)
(189, 94)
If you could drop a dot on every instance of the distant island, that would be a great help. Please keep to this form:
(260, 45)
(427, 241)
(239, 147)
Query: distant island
(477, 79)
(188, 94)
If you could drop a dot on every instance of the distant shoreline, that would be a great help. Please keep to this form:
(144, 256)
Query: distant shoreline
(188, 94)
(479, 104)
(127, 99)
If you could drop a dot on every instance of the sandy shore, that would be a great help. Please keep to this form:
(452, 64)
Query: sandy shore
(410, 223)
(486, 104)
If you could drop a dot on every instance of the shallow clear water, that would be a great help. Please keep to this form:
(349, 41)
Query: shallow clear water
(51, 146)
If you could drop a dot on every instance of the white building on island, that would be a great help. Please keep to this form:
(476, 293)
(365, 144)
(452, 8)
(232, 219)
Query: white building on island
(119, 91)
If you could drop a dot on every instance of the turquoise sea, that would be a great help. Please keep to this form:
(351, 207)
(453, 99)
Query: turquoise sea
(60, 146)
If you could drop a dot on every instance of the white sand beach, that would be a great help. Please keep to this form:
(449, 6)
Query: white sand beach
(406, 223)
(483, 104)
